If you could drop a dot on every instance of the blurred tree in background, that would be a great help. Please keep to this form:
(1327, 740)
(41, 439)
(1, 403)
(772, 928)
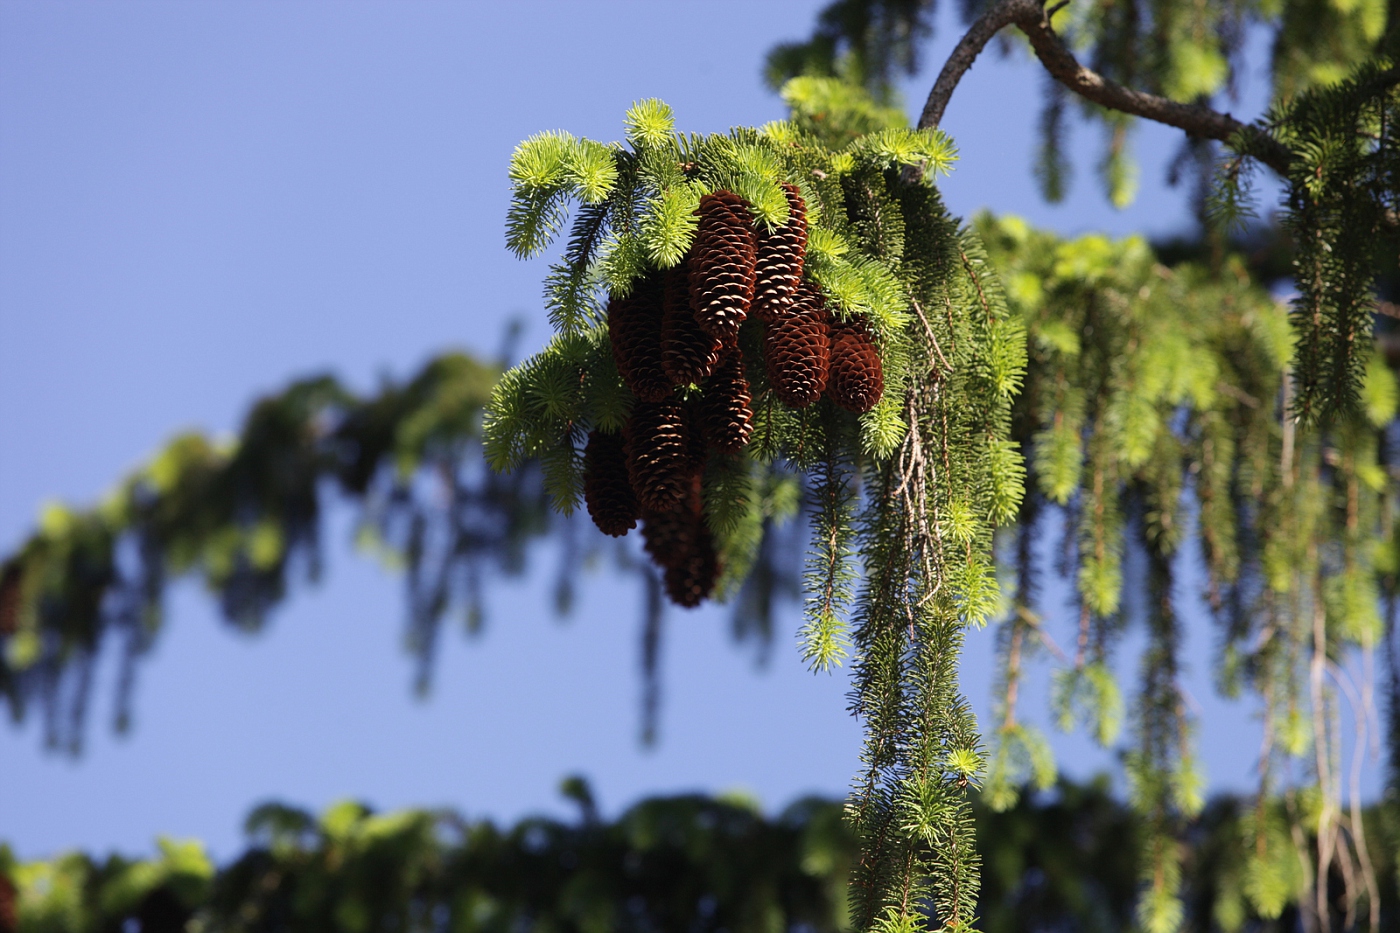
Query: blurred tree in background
(1064, 860)
(1165, 394)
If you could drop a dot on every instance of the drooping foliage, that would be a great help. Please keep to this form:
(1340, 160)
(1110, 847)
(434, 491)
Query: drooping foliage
(1343, 195)
(906, 458)
(1328, 135)
(1183, 50)
(1155, 425)
(1164, 411)
(1063, 860)
(1286, 458)
(244, 518)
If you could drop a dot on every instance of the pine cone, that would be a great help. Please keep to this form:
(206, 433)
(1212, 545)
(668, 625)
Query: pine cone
(606, 489)
(797, 349)
(634, 327)
(781, 253)
(856, 380)
(695, 434)
(10, 580)
(9, 905)
(690, 582)
(680, 542)
(725, 408)
(722, 265)
(668, 535)
(659, 460)
(688, 353)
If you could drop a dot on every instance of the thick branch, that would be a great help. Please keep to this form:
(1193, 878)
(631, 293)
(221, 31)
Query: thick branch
(1031, 18)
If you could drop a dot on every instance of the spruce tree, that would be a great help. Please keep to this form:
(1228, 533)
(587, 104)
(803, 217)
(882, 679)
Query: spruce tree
(748, 319)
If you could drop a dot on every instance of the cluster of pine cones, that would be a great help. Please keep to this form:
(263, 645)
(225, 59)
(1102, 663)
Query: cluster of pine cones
(680, 328)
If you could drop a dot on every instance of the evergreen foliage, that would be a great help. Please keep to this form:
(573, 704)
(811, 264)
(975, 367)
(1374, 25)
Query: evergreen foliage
(1146, 384)
(1329, 133)
(909, 452)
(1343, 193)
(244, 517)
(1060, 860)
(1128, 359)
(1153, 407)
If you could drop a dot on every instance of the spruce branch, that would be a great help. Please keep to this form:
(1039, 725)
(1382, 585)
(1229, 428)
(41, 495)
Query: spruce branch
(1033, 19)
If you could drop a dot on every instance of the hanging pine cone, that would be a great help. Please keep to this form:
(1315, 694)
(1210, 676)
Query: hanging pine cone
(695, 434)
(725, 408)
(856, 379)
(659, 461)
(10, 581)
(9, 905)
(634, 328)
(688, 353)
(722, 265)
(606, 489)
(680, 542)
(781, 253)
(668, 535)
(692, 580)
(797, 349)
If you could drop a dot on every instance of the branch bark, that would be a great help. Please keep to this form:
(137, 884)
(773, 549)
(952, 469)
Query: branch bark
(1032, 19)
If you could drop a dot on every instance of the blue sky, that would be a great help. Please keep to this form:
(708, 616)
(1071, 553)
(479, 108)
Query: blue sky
(199, 202)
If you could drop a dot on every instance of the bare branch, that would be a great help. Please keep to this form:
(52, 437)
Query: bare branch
(1032, 19)
(990, 23)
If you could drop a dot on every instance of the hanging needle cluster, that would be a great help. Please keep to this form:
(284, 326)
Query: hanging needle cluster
(737, 308)
(1156, 417)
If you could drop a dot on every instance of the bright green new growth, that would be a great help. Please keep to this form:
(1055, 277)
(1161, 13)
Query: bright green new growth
(1150, 390)
(904, 499)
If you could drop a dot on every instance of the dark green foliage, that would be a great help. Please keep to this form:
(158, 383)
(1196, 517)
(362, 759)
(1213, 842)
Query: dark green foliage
(244, 517)
(1064, 860)
(867, 42)
(666, 864)
(1343, 193)
(1051, 168)
(1152, 408)
(924, 427)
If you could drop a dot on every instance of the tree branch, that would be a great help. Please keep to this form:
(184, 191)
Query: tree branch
(1032, 19)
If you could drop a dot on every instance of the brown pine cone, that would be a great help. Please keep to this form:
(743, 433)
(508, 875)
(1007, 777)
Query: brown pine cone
(722, 265)
(687, 352)
(695, 434)
(797, 349)
(726, 412)
(680, 542)
(691, 581)
(659, 461)
(634, 327)
(668, 535)
(10, 580)
(781, 253)
(856, 380)
(9, 905)
(606, 489)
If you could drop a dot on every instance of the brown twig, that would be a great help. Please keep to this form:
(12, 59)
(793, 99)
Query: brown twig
(1031, 17)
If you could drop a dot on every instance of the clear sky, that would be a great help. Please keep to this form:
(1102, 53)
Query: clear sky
(201, 201)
